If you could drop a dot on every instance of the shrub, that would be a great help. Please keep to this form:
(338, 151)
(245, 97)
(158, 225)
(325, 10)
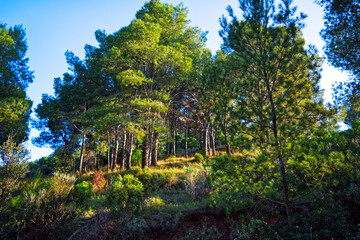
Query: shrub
(13, 167)
(255, 229)
(135, 171)
(154, 203)
(136, 157)
(170, 179)
(126, 191)
(239, 181)
(199, 158)
(98, 181)
(82, 192)
(195, 182)
(41, 204)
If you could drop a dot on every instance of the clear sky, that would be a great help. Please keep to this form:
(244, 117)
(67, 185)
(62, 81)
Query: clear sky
(55, 26)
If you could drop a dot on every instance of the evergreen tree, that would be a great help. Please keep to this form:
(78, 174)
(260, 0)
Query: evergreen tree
(278, 99)
(15, 107)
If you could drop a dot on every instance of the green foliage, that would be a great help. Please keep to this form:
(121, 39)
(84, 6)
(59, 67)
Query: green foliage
(198, 158)
(136, 157)
(13, 167)
(81, 193)
(41, 203)
(126, 192)
(57, 162)
(255, 229)
(15, 107)
(154, 203)
(342, 25)
(196, 185)
(238, 181)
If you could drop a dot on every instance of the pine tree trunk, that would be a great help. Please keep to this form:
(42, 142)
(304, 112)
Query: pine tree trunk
(212, 141)
(155, 149)
(82, 152)
(116, 150)
(129, 152)
(174, 138)
(150, 147)
(109, 147)
(111, 158)
(209, 141)
(284, 180)
(206, 140)
(123, 151)
(145, 149)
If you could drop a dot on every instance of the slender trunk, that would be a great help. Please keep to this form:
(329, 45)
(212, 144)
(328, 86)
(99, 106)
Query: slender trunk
(82, 152)
(155, 149)
(150, 147)
(206, 140)
(186, 143)
(212, 141)
(174, 138)
(123, 151)
(284, 180)
(145, 149)
(209, 141)
(108, 152)
(129, 152)
(116, 150)
(111, 158)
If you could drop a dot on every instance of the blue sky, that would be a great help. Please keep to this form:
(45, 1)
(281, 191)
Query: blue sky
(55, 26)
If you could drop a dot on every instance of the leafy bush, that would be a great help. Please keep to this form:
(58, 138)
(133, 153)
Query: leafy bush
(238, 181)
(154, 203)
(41, 204)
(198, 158)
(136, 157)
(195, 182)
(170, 179)
(126, 191)
(81, 192)
(13, 167)
(255, 229)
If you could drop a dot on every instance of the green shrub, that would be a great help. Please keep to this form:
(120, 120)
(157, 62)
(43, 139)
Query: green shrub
(126, 191)
(199, 158)
(255, 229)
(40, 204)
(82, 192)
(195, 182)
(238, 181)
(136, 157)
(135, 171)
(154, 203)
(170, 179)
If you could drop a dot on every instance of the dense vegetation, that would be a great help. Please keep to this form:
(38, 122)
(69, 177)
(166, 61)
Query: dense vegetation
(156, 138)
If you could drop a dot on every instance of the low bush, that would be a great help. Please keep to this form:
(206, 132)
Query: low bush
(198, 158)
(196, 185)
(98, 181)
(40, 204)
(81, 193)
(126, 191)
(136, 157)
